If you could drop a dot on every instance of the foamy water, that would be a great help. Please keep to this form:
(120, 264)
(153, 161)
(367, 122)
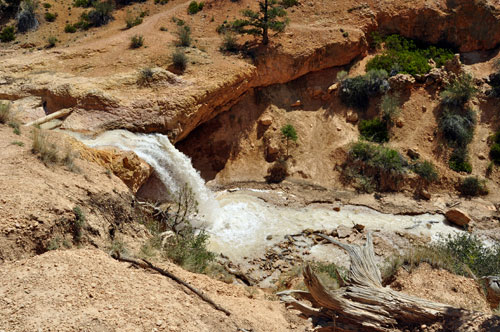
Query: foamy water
(239, 223)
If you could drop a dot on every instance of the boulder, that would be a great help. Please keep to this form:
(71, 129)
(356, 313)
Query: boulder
(458, 217)
(352, 117)
(401, 81)
(266, 120)
(413, 153)
(343, 231)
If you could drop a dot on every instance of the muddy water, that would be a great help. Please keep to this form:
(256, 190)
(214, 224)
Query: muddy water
(243, 225)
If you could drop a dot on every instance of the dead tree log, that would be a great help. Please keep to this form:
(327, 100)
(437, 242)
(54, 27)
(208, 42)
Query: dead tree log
(362, 303)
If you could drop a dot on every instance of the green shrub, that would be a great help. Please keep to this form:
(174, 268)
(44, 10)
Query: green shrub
(8, 34)
(179, 60)
(195, 7)
(69, 28)
(4, 113)
(459, 161)
(82, 3)
(49, 17)
(131, 21)
(374, 166)
(277, 172)
(136, 41)
(494, 82)
(495, 148)
(47, 5)
(458, 128)
(374, 130)
(356, 91)
(289, 3)
(458, 92)
(101, 14)
(403, 55)
(229, 43)
(16, 126)
(190, 250)
(426, 170)
(146, 76)
(389, 107)
(26, 17)
(51, 41)
(473, 186)
(184, 34)
(290, 134)
(460, 253)
(78, 224)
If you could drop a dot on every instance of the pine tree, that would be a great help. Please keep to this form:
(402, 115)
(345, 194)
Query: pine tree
(271, 16)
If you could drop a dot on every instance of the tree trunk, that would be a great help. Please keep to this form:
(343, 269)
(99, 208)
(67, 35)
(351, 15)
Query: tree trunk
(363, 304)
(265, 33)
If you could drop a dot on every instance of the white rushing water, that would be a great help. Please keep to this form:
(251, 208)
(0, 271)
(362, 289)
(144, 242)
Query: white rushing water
(239, 223)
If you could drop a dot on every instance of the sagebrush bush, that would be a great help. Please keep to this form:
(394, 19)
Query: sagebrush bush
(372, 166)
(146, 76)
(495, 148)
(82, 3)
(403, 55)
(460, 91)
(69, 28)
(101, 15)
(356, 91)
(374, 130)
(26, 17)
(179, 60)
(189, 249)
(78, 224)
(4, 113)
(277, 172)
(459, 161)
(132, 21)
(46, 151)
(194, 7)
(389, 108)
(136, 41)
(51, 41)
(458, 127)
(460, 253)
(184, 35)
(8, 34)
(426, 170)
(50, 17)
(289, 3)
(229, 43)
(473, 186)
(494, 82)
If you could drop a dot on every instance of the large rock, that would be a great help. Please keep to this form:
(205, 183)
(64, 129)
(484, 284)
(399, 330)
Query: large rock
(458, 217)
(126, 165)
(401, 81)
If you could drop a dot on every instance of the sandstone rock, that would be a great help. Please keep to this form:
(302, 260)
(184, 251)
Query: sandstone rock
(333, 87)
(352, 117)
(481, 156)
(126, 165)
(454, 65)
(435, 75)
(27, 109)
(399, 123)
(315, 92)
(458, 217)
(424, 108)
(336, 208)
(297, 103)
(266, 120)
(359, 227)
(413, 153)
(425, 194)
(401, 81)
(343, 231)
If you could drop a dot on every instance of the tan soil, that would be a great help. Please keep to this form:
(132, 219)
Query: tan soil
(441, 286)
(86, 290)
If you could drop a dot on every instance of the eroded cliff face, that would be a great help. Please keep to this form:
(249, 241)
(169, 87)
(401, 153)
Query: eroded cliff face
(320, 36)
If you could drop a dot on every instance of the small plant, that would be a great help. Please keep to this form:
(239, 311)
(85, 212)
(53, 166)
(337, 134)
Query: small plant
(49, 17)
(229, 43)
(458, 92)
(54, 244)
(26, 17)
(46, 151)
(69, 28)
(357, 91)
(459, 161)
(374, 130)
(495, 149)
(51, 41)
(136, 41)
(78, 224)
(458, 127)
(47, 5)
(195, 7)
(289, 3)
(7, 35)
(146, 76)
(14, 124)
(184, 35)
(82, 3)
(163, 29)
(131, 21)
(345, 34)
(289, 133)
(389, 107)
(4, 113)
(101, 14)
(18, 143)
(426, 170)
(179, 60)
(473, 186)
(277, 172)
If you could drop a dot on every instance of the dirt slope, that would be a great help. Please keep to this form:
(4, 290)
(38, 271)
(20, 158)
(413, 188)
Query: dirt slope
(86, 290)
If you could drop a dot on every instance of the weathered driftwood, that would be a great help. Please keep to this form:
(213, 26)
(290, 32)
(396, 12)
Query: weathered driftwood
(147, 265)
(362, 303)
(51, 116)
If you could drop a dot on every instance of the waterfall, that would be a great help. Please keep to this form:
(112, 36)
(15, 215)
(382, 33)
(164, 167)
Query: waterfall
(172, 166)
